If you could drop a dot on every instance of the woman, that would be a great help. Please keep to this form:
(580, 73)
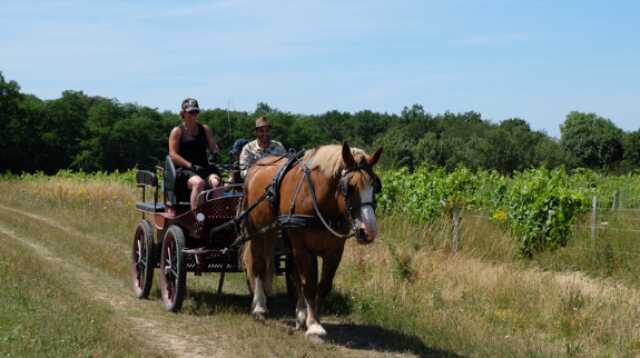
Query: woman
(188, 145)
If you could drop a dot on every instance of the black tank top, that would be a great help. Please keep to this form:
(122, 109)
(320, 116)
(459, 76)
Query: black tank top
(194, 149)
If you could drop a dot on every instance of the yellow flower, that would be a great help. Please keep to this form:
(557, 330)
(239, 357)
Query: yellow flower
(499, 215)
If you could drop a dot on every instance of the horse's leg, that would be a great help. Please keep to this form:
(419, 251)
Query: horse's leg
(307, 265)
(330, 265)
(269, 271)
(301, 304)
(256, 268)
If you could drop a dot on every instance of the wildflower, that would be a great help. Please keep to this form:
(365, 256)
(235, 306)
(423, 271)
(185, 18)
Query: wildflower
(499, 215)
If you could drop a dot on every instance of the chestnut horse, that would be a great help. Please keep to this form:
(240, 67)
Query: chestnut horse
(332, 188)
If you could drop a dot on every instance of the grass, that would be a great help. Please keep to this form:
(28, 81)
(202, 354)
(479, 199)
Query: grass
(614, 254)
(406, 293)
(483, 301)
(41, 315)
(92, 235)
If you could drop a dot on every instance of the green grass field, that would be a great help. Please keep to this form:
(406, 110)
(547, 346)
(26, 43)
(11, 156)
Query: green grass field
(65, 257)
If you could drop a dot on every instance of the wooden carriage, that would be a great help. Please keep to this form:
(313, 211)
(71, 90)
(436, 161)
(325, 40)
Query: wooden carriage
(176, 240)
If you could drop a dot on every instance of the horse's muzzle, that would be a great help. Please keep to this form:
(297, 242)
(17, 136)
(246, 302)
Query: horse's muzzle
(362, 235)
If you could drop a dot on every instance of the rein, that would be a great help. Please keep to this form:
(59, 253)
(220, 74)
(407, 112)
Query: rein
(314, 202)
(292, 221)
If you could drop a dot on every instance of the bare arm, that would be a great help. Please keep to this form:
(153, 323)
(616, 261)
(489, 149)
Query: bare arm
(174, 147)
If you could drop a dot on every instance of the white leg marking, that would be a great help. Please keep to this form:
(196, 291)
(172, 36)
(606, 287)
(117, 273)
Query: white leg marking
(301, 311)
(259, 298)
(315, 330)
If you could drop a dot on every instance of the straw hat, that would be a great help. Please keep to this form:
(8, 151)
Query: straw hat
(262, 122)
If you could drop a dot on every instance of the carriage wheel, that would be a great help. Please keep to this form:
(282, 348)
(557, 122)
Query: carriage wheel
(173, 271)
(142, 259)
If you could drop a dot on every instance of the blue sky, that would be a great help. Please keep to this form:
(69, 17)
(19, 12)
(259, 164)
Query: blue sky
(536, 60)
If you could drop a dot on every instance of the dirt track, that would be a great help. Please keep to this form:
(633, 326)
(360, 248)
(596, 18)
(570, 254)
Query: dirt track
(106, 290)
(143, 316)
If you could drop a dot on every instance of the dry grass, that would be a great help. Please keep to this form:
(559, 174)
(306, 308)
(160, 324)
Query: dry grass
(475, 307)
(66, 191)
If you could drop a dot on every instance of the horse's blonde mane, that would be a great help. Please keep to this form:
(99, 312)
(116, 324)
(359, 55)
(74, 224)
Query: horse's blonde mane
(328, 159)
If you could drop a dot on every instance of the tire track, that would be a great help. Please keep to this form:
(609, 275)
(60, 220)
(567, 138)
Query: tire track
(101, 287)
(105, 289)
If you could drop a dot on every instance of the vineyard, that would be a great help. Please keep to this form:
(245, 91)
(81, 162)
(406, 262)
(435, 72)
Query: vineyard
(538, 207)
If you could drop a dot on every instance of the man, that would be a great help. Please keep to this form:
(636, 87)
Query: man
(188, 144)
(261, 147)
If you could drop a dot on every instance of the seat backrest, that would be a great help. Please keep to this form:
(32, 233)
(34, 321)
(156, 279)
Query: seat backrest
(146, 177)
(174, 195)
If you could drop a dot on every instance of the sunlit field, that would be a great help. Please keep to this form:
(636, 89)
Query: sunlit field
(65, 263)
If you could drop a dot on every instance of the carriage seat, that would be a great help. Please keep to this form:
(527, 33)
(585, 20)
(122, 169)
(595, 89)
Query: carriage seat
(151, 207)
(174, 193)
(148, 179)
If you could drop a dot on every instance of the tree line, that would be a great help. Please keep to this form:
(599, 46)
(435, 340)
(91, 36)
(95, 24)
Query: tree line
(94, 133)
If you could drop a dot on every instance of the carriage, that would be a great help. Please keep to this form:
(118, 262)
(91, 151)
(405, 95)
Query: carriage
(177, 240)
(300, 206)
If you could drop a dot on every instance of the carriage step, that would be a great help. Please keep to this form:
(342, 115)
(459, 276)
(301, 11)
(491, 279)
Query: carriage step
(150, 207)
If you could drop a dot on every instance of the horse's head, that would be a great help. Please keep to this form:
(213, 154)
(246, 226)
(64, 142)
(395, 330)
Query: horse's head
(359, 185)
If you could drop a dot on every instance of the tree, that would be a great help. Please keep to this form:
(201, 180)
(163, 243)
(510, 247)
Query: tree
(631, 145)
(12, 126)
(594, 141)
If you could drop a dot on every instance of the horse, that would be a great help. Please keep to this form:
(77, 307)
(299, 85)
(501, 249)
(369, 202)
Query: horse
(330, 190)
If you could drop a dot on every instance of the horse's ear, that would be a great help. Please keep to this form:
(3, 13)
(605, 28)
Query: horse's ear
(375, 157)
(347, 157)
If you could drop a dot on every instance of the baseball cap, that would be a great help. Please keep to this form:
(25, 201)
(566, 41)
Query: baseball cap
(190, 105)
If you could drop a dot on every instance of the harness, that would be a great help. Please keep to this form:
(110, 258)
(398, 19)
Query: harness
(295, 221)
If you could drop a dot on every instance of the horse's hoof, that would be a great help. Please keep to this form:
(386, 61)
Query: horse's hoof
(258, 315)
(301, 317)
(315, 330)
(315, 339)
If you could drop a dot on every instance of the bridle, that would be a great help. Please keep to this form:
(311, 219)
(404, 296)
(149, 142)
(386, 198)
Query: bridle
(346, 191)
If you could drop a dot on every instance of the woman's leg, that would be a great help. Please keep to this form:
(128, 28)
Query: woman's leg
(196, 185)
(214, 180)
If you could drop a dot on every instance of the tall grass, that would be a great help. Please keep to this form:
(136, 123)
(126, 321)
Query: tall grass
(483, 301)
